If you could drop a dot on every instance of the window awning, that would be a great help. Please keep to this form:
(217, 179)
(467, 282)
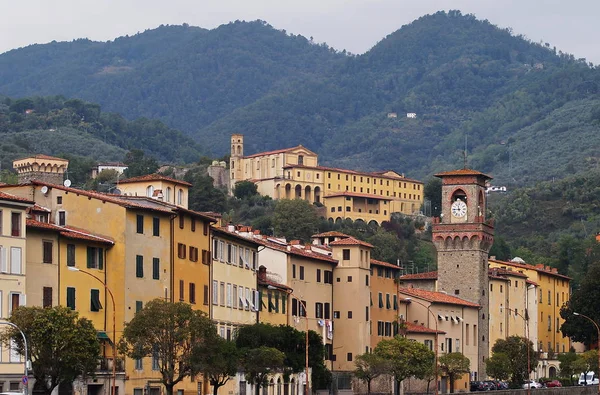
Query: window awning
(102, 336)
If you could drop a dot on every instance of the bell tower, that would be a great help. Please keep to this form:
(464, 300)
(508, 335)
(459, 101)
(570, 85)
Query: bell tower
(463, 237)
(235, 161)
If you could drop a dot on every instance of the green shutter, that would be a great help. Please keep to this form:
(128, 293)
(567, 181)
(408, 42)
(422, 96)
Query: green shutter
(155, 268)
(139, 266)
(380, 300)
(271, 307)
(283, 303)
(71, 298)
(395, 302)
(260, 304)
(100, 258)
(138, 305)
(277, 303)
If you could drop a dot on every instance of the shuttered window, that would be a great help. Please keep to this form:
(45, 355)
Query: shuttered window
(47, 297)
(47, 251)
(71, 298)
(139, 266)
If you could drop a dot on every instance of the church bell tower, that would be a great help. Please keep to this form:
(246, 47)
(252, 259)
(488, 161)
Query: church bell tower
(463, 237)
(235, 161)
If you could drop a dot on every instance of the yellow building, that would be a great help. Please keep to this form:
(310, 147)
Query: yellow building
(13, 270)
(294, 173)
(157, 186)
(384, 301)
(553, 290)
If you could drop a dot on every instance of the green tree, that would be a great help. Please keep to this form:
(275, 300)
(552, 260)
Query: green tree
(173, 334)
(203, 196)
(259, 362)
(295, 219)
(62, 346)
(454, 364)
(433, 192)
(587, 362)
(567, 365)
(245, 189)
(8, 177)
(219, 363)
(138, 164)
(368, 367)
(515, 348)
(406, 358)
(584, 300)
(498, 366)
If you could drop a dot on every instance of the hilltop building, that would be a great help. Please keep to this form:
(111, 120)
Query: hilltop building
(294, 173)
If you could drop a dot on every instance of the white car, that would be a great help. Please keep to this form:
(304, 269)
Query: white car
(531, 384)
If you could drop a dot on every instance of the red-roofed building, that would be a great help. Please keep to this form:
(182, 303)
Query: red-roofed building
(384, 301)
(159, 187)
(294, 173)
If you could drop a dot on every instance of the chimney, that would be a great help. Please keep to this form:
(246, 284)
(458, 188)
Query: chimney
(230, 227)
(262, 273)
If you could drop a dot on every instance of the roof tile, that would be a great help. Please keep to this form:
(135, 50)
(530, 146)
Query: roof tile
(154, 177)
(436, 297)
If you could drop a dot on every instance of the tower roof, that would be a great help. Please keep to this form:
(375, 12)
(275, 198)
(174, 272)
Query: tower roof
(463, 172)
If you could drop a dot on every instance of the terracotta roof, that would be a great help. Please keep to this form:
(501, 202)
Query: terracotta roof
(267, 282)
(354, 172)
(360, 195)
(436, 297)
(13, 198)
(70, 232)
(497, 271)
(332, 233)
(279, 151)
(159, 204)
(350, 241)
(37, 207)
(114, 164)
(385, 264)
(462, 172)
(42, 156)
(415, 328)
(235, 235)
(421, 276)
(154, 177)
(531, 267)
(297, 251)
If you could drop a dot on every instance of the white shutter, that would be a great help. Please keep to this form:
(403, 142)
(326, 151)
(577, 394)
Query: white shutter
(14, 354)
(3, 260)
(22, 299)
(15, 260)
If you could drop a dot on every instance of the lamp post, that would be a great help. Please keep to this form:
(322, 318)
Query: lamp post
(114, 321)
(291, 293)
(410, 300)
(598, 330)
(526, 321)
(25, 373)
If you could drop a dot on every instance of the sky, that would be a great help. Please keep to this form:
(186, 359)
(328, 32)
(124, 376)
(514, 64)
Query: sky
(355, 25)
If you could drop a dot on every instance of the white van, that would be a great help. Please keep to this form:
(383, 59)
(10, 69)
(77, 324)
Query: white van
(591, 379)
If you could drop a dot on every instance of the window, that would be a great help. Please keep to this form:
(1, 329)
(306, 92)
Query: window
(155, 365)
(388, 304)
(318, 275)
(150, 191)
(139, 266)
(215, 293)
(95, 258)
(328, 277)
(300, 159)
(181, 250)
(155, 268)
(192, 293)
(95, 304)
(193, 224)
(205, 226)
(549, 323)
(138, 364)
(557, 326)
(62, 218)
(155, 226)
(70, 254)
(47, 297)
(205, 296)
(180, 196)
(59, 200)
(294, 307)
(181, 291)
(228, 295)
(15, 224)
(221, 294)
(380, 300)
(367, 313)
(349, 314)
(367, 280)
(181, 221)
(349, 279)
(71, 298)
(15, 260)
(349, 357)
(549, 298)
(346, 254)
(318, 310)
(168, 195)
(139, 223)
(301, 308)
(301, 272)
(47, 251)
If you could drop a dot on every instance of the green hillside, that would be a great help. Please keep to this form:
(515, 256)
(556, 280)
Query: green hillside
(526, 111)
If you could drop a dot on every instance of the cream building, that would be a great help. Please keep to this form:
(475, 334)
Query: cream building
(159, 187)
(13, 271)
(294, 173)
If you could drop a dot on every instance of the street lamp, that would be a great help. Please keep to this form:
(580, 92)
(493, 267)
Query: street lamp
(526, 321)
(291, 293)
(410, 300)
(114, 321)
(25, 373)
(598, 330)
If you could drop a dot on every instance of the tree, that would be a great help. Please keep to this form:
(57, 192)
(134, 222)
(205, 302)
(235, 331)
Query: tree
(173, 334)
(433, 192)
(219, 363)
(515, 348)
(138, 164)
(587, 362)
(245, 189)
(295, 219)
(567, 365)
(203, 196)
(62, 346)
(584, 300)
(498, 366)
(368, 367)
(454, 364)
(405, 358)
(259, 362)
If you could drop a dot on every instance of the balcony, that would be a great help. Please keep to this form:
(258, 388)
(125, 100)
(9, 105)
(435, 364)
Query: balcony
(106, 365)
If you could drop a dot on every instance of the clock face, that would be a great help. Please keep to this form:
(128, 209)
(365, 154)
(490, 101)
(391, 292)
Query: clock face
(459, 208)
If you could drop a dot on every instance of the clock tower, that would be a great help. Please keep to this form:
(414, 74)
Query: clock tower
(463, 238)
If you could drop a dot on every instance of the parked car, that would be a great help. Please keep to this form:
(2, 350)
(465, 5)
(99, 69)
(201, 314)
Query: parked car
(531, 384)
(502, 385)
(553, 383)
(591, 379)
(478, 386)
(491, 385)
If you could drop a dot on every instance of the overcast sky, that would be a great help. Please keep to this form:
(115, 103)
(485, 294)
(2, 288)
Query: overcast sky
(355, 25)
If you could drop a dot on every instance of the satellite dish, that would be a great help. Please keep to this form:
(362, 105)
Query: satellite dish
(67, 183)
(44, 189)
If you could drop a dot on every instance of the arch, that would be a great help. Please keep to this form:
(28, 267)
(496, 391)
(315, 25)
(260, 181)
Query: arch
(373, 223)
(293, 386)
(458, 193)
(288, 191)
(456, 242)
(168, 194)
(318, 194)
(180, 196)
(481, 205)
(279, 386)
(307, 193)
(448, 243)
(277, 191)
(300, 159)
(330, 220)
(239, 149)
(338, 221)
(552, 371)
(298, 192)
(150, 190)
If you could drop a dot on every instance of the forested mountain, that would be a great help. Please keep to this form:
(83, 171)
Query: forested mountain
(527, 111)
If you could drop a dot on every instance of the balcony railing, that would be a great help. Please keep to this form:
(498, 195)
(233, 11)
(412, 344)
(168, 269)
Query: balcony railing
(106, 365)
